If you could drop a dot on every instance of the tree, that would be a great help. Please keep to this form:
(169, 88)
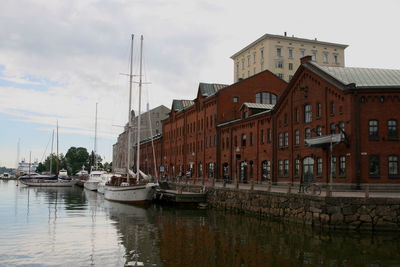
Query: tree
(76, 157)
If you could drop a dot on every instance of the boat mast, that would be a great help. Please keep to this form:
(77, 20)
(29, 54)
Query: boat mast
(140, 103)
(129, 112)
(95, 141)
(57, 160)
(51, 153)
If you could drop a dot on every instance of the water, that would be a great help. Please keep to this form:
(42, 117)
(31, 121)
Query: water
(74, 227)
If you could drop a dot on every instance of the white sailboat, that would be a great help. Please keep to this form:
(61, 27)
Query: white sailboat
(48, 180)
(137, 190)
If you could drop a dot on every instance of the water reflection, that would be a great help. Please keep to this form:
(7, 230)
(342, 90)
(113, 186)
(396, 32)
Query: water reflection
(75, 227)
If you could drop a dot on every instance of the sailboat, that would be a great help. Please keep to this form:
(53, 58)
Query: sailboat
(48, 180)
(136, 190)
(95, 176)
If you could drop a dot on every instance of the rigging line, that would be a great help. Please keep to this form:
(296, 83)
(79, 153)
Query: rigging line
(45, 150)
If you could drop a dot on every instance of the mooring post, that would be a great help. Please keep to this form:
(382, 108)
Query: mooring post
(224, 183)
(269, 186)
(289, 190)
(367, 191)
(252, 185)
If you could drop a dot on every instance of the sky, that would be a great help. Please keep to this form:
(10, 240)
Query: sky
(59, 58)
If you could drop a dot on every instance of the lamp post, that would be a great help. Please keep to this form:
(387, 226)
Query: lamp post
(237, 156)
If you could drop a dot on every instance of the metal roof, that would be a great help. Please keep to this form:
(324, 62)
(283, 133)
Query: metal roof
(288, 38)
(258, 106)
(364, 77)
(209, 89)
(178, 105)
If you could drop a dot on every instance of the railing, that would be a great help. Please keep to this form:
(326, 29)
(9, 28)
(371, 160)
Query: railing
(334, 190)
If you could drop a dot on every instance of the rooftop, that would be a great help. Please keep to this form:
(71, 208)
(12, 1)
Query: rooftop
(292, 38)
(363, 77)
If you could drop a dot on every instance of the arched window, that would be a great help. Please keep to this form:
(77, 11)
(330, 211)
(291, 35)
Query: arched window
(266, 98)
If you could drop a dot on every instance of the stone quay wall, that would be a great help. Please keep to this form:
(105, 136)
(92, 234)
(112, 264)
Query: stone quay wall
(329, 212)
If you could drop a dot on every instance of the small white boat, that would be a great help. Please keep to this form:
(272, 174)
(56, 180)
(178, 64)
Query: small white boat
(94, 180)
(62, 174)
(5, 176)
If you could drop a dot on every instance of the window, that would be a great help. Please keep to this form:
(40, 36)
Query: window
(243, 140)
(266, 98)
(286, 168)
(278, 51)
(266, 170)
(335, 57)
(307, 133)
(325, 57)
(373, 166)
(235, 99)
(332, 108)
(392, 129)
(290, 66)
(296, 167)
(333, 166)
(297, 115)
(280, 140)
(302, 52)
(200, 169)
(373, 130)
(279, 64)
(342, 129)
(286, 139)
(262, 54)
(242, 63)
(314, 55)
(319, 167)
(211, 170)
(248, 61)
(297, 137)
(342, 166)
(262, 136)
(280, 168)
(254, 57)
(307, 113)
(280, 75)
(319, 110)
(319, 130)
(393, 165)
(269, 135)
(290, 52)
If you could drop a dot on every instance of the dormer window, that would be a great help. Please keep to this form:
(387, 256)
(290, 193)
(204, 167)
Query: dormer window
(266, 98)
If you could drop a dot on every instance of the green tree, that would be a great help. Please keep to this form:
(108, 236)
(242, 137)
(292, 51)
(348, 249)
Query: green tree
(76, 157)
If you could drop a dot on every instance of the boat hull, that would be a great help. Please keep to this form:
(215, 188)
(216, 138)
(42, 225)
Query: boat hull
(48, 183)
(130, 194)
(91, 185)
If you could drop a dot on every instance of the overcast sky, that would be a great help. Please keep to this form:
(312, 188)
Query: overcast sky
(58, 58)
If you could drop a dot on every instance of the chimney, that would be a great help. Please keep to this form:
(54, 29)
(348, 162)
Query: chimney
(285, 34)
(305, 59)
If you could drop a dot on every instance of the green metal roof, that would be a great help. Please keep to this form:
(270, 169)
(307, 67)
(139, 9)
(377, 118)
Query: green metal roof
(178, 105)
(258, 106)
(209, 89)
(364, 77)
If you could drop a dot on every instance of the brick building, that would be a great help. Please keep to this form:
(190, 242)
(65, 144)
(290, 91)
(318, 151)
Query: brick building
(328, 124)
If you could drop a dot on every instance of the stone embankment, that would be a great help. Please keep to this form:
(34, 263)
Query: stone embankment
(358, 213)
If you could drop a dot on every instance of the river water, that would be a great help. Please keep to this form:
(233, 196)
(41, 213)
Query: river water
(75, 227)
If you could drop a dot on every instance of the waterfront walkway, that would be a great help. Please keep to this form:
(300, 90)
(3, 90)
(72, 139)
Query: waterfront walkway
(338, 190)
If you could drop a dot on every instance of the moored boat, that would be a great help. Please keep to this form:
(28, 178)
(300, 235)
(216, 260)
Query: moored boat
(94, 180)
(48, 183)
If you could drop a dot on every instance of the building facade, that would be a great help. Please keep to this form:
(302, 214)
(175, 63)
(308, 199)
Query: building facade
(281, 55)
(329, 124)
(151, 125)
